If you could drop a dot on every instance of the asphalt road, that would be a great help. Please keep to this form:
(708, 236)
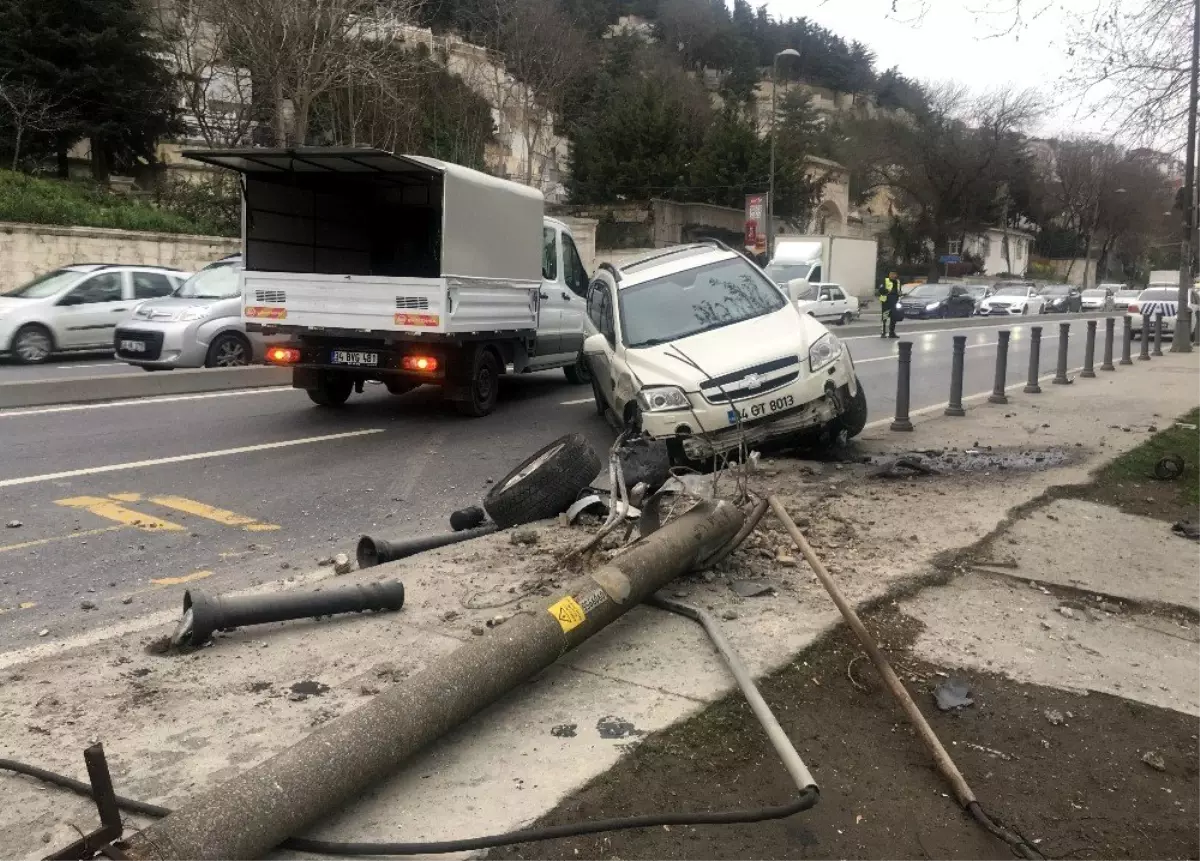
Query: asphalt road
(128, 501)
(68, 366)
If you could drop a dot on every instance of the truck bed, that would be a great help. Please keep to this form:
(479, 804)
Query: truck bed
(377, 304)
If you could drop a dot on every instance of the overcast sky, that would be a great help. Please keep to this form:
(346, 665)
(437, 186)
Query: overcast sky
(963, 40)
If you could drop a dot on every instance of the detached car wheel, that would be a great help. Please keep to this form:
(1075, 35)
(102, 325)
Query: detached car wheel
(545, 484)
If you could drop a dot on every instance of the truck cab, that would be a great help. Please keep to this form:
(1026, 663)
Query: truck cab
(404, 270)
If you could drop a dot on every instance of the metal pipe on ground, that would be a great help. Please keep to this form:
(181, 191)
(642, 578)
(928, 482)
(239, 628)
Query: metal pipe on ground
(998, 396)
(903, 388)
(1158, 332)
(1109, 333)
(249, 815)
(1144, 355)
(376, 551)
(957, 363)
(1089, 351)
(1127, 342)
(1064, 344)
(1035, 362)
(205, 614)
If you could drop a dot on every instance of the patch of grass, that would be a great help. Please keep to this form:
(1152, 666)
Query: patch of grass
(1129, 483)
(35, 200)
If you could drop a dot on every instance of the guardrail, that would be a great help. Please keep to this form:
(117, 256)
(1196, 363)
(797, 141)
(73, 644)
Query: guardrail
(114, 387)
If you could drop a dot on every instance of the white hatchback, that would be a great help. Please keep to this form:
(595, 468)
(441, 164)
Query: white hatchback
(696, 346)
(827, 302)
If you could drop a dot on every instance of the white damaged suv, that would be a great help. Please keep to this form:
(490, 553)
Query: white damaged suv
(696, 346)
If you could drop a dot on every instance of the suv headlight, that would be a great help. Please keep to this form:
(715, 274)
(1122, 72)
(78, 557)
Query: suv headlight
(657, 399)
(827, 349)
(197, 313)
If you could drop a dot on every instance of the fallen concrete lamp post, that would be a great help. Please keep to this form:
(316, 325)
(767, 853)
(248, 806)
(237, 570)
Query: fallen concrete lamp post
(203, 615)
(254, 812)
(377, 551)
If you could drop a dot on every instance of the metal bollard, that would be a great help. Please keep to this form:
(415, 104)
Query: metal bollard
(903, 376)
(1110, 327)
(1064, 343)
(1158, 334)
(1126, 344)
(1035, 361)
(998, 396)
(1144, 355)
(1089, 351)
(957, 360)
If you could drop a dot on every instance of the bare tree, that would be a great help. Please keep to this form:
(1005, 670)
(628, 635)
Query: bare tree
(27, 110)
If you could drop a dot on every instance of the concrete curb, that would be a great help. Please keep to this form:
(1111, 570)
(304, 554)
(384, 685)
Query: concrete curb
(37, 393)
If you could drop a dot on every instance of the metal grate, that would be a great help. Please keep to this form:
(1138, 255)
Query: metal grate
(412, 303)
(270, 296)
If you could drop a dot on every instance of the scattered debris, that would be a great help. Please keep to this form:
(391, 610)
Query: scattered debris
(1154, 760)
(1109, 607)
(305, 689)
(467, 518)
(127, 600)
(1007, 757)
(785, 559)
(325, 561)
(751, 588)
(902, 467)
(1055, 717)
(87, 605)
(615, 727)
(527, 537)
(497, 621)
(14, 524)
(1067, 612)
(1186, 529)
(477, 630)
(591, 504)
(564, 730)
(43, 632)
(341, 564)
(1169, 468)
(953, 694)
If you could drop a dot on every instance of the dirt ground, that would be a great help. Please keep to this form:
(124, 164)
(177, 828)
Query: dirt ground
(1078, 788)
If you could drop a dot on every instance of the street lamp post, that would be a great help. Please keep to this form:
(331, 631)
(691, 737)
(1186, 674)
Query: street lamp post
(1181, 342)
(786, 52)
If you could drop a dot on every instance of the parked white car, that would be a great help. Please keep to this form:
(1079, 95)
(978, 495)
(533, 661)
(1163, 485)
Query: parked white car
(696, 346)
(76, 308)
(1019, 298)
(828, 302)
(1163, 300)
(1097, 299)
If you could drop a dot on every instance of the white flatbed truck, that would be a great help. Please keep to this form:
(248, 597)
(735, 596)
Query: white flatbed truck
(404, 270)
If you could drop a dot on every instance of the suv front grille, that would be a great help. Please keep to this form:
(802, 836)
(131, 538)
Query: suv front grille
(751, 382)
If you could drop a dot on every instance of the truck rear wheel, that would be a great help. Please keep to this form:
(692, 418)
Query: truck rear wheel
(482, 386)
(578, 374)
(331, 390)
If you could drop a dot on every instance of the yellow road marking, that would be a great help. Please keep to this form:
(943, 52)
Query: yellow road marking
(109, 510)
(211, 512)
(125, 497)
(38, 542)
(186, 578)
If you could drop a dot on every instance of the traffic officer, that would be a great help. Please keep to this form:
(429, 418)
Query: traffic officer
(889, 297)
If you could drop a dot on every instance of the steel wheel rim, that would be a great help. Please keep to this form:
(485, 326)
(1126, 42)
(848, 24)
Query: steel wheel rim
(33, 346)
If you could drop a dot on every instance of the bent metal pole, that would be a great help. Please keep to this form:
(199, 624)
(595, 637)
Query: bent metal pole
(249, 815)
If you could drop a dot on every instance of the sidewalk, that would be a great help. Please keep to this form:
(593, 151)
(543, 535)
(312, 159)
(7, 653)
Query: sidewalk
(174, 725)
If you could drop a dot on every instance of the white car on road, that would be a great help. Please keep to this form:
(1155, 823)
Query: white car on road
(1160, 299)
(76, 307)
(828, 302)
(1018, 297)
(696, 346)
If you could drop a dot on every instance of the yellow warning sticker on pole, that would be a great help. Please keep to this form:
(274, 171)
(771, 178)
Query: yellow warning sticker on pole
(568, 613)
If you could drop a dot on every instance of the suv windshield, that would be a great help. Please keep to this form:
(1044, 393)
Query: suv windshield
(46, 285)
(784, 272)
(1011, 290)
(693, 301)
(216, 281)
(929, 291)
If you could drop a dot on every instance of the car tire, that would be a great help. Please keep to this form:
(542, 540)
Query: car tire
(854, 419)
(601, 405)
(482, 384)
(228, 350)
(32, 344)
(544, 484)
(578, 374)
(332, 390)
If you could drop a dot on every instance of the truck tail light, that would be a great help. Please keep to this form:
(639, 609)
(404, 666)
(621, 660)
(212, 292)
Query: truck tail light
(283, 355)
(420, 364)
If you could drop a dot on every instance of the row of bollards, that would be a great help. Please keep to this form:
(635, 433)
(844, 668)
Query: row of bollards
(902, 421)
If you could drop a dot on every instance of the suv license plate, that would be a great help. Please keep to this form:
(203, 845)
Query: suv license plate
(133, 346)
(353, 357)
(762, 408)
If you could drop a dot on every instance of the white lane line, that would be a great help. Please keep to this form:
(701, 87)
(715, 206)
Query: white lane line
(858, 362)
(181, 458)
(576, 403)
(137, 402)
(1040, 320)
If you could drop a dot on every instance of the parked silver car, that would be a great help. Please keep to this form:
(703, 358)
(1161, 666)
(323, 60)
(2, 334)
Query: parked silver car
(198, 326)
(76, 308)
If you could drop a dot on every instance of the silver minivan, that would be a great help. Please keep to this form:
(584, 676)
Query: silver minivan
(197, 326)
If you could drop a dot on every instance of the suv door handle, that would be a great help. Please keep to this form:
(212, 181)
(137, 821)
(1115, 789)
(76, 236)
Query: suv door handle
(566, 296)
(544, 296)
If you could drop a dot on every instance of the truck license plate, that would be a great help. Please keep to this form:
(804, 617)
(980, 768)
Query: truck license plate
(761, 408)
(133, 346)
(353, 357)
